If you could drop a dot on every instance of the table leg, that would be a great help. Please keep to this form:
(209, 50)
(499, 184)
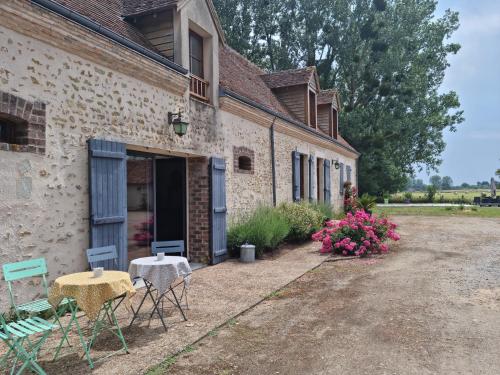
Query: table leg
(178, 304)
(160, 313)
(99, 324)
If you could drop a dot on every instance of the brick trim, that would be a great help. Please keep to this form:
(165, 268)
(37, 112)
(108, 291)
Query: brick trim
(245, 152)
(199, 209)
(31, 120)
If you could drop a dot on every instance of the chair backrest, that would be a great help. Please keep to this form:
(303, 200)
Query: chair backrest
(23, 270)
(100, 256)
(168, 247)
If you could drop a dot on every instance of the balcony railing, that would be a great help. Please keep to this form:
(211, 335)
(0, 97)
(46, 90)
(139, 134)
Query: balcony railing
(199, 88)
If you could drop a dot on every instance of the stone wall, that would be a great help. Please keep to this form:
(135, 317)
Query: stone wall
(245, 191)
(44, 197)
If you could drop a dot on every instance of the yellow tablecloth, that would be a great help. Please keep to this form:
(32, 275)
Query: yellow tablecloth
(91, 292)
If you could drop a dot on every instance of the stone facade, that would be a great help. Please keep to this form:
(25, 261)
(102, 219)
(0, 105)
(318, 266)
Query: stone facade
(70, 85)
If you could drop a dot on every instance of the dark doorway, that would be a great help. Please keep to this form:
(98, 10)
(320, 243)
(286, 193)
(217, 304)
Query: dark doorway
(156, 201)
(170, 199)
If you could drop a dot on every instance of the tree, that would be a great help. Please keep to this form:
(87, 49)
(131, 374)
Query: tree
(446, 183)
(387, 58)
(416, 185)
(436, 181)
(465, 185)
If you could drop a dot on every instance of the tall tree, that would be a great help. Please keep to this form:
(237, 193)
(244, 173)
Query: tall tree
(436, 181)
(387, 58)
(447, 183)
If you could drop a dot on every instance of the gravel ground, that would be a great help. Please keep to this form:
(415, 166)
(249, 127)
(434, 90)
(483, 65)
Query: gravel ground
(432, 306)
(216, 295)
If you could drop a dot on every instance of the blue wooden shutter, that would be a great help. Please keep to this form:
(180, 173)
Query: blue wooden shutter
(108, 198)
(341, 179)
(296, 176)
(327, 182)
(219, 211)
(311, 168)
(348, 168)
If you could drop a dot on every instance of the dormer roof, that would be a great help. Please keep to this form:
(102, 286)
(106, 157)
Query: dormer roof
(292, 77)
(329, 97)
(139, 7)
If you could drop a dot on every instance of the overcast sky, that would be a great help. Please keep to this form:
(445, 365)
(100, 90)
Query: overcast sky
(473, 152)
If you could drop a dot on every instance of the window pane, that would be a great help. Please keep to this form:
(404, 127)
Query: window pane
(197, 67)
(196, 44)
(140, 206)
(196, 54)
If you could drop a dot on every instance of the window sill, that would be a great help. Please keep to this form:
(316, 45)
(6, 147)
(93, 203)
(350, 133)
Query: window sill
(243, 171)
(22, 148)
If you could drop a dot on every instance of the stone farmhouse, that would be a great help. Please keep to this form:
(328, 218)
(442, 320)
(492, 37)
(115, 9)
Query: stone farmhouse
(126, 121)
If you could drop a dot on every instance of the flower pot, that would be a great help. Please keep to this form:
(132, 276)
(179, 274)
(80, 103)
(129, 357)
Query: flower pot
(386, 200)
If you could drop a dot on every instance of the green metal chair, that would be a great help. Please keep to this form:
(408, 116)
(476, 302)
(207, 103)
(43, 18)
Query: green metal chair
(32, 269)
(24, 339)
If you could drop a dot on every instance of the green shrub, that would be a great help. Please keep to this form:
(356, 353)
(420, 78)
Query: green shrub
(265, 228)
(302, 219)
(324, 209)
(367, 202)
(431, 193)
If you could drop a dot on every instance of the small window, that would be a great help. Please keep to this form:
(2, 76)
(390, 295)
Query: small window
(244, 163)
(196, 54)
(7, 132)
(335, 124)
(312, 109)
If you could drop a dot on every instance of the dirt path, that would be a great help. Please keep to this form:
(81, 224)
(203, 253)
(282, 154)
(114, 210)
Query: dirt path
(430, 307)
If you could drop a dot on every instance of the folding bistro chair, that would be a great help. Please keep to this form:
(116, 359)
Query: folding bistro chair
(173, 247)
(102, 257)
(24, 340)
(168, 247)
(34, 268)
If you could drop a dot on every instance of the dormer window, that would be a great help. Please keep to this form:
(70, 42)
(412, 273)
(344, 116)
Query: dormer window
(335, 124)
(196, 54)
(198, 84)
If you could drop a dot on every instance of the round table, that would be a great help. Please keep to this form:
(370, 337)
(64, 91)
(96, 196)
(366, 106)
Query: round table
(160, 275)
(94, 296)
(91, 292)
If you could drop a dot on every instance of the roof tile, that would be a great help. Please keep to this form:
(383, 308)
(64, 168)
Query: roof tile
(286, 78)
(135, 7)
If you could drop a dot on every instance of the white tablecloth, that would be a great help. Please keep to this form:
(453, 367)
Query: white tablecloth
(161, 273)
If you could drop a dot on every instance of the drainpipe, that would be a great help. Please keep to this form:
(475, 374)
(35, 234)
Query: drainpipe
(273, 161)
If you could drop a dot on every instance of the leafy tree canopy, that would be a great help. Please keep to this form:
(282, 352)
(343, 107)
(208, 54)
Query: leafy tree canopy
(446, 183)
(387, 58)
(436, 181)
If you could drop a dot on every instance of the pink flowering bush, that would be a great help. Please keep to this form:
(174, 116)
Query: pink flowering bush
(359, 234)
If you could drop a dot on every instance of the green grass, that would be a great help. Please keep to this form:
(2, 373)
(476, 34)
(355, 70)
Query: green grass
(493, 212)
(448, 195)
(163, 367)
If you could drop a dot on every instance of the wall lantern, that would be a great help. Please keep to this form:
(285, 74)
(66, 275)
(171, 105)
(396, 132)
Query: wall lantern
(336, 164)
(180, 127)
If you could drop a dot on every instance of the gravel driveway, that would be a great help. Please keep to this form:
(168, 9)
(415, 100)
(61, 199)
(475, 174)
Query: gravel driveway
(432, 306)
